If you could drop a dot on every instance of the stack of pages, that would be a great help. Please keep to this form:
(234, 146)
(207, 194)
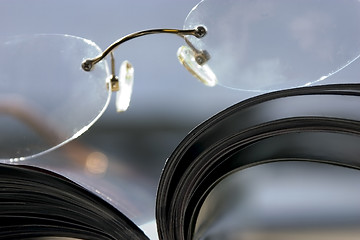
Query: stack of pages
(319, 125)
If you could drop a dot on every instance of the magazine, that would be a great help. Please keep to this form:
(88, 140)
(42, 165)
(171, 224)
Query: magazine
(313, 124)
(279, 162)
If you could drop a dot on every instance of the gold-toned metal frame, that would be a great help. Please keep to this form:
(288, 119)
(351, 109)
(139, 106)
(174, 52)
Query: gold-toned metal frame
(200, 56)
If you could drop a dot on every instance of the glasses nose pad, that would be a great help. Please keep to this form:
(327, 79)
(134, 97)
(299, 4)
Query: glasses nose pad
(196, 65)
(126, 80)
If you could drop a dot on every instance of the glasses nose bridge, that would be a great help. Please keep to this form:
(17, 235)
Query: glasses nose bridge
(199, 32)
(123, 84)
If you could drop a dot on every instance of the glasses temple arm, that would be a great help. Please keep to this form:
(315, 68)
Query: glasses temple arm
(198, 32)
(21, 110)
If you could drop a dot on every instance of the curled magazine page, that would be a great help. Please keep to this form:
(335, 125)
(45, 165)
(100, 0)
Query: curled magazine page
(296, 127)
(254, 135)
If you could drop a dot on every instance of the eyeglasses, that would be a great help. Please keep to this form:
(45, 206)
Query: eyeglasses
(246, 45)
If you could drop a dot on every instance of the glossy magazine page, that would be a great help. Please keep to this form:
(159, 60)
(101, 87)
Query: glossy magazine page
(317, 127)
(72, 166)
(39, 204)
(315, 124)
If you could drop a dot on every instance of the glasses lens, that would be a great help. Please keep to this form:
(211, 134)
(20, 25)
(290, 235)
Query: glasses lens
(46, 99)
(277, 44)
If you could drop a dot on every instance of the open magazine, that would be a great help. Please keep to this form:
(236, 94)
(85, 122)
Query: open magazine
(304, 125)
(281, 164)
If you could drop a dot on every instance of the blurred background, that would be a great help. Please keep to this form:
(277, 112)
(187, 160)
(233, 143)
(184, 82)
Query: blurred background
(283, 200)
(125, 153)
(121, 157)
